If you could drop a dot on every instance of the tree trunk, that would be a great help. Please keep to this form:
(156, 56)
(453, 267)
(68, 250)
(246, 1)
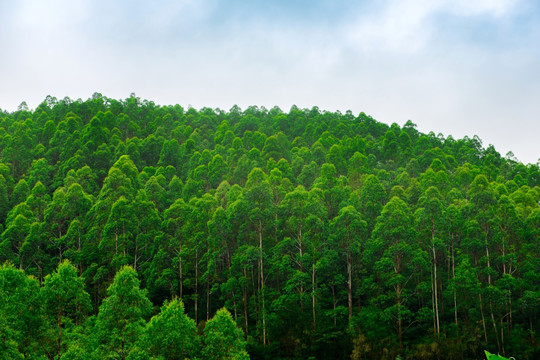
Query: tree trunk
(207, 299)
(313, 296)
(483, 318)
(435, 288)
(349, 284)
(454, 278)
(400, 320)
(196, 285)
(244, 288)
(263, 315)
(334, 303)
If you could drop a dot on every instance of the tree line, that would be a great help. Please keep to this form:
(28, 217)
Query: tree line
(323, 234)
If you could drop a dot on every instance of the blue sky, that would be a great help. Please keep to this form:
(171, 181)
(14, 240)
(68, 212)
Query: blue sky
(457, 67)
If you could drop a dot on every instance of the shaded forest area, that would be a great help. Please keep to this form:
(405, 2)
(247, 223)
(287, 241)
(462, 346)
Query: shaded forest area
(325, 235)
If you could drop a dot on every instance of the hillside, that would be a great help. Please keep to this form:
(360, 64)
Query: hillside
(324, 235)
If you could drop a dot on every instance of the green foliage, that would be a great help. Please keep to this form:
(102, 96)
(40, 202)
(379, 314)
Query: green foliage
(122, 315)
(171, 334)
(222, 339)
(326, 235)
(66, 305)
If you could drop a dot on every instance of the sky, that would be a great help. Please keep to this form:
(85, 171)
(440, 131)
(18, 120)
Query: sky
(456, 67)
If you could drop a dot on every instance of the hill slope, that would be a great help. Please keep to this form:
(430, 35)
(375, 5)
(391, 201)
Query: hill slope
(324, 234)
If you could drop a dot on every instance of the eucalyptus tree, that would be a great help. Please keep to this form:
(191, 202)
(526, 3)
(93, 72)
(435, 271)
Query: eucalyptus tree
(395, 258)
(66, 305)
(122, 316)
(258, 197)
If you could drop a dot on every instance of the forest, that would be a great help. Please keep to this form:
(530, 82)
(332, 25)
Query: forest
(130, 230)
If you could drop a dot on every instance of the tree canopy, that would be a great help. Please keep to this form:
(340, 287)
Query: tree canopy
(132, 230)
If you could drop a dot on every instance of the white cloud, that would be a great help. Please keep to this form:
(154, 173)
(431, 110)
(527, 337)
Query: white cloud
(391, 59)
(405, 26)
(474, 7)
(49, 15)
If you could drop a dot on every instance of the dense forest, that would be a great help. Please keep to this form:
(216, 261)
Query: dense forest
(131, 230)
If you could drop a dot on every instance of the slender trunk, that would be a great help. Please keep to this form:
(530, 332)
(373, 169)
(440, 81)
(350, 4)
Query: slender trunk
(196, 286)
(436, 296)
(207, 299)
(504, 261)
(454, 278)
(334, 304)
(234, 306)
(433, 301)
(79, 253)
(124, 238)
(278, 285)
(349, 284)
(136, 255)
(301, 265)
(400, 320)
(483, 318)
(60, 252)
(233, 296)
(494, 326)
(180, 281)
(487, 256)
(502, 335)
(180, 270)
(262, 282)
(244, 288)
(531, 331)
(510, 316)
(313, 296)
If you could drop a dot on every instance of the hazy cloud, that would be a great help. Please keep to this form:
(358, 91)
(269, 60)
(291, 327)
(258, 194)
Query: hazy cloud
(457, 67)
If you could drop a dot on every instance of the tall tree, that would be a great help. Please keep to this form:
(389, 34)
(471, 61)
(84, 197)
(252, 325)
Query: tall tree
(258, 195)
(222, 339)
(171, 334)
(395, 258)
(349, 232)
(429, 226)
(66, 305)
(121, 317)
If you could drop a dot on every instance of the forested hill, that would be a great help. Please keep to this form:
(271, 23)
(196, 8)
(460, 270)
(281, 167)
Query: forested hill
(325, 235)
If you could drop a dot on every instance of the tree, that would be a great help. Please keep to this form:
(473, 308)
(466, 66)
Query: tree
(373, 198)
(302, 212)
(66, 304)
(171, 334)
(20, 315)
(349, 231)
(173, 221)
(121, 317)
(429, 224)
(258, 195)
(222, 339)
(395, 257)
(18, 224)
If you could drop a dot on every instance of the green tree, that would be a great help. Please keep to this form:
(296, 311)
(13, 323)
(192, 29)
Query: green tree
(258, 194)
(66, 304)
(20, 315)
(429, 226)
(121, 317)
(395, 258)
(171, 334)
(222, 339)
(349, 231)
(372, 198)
